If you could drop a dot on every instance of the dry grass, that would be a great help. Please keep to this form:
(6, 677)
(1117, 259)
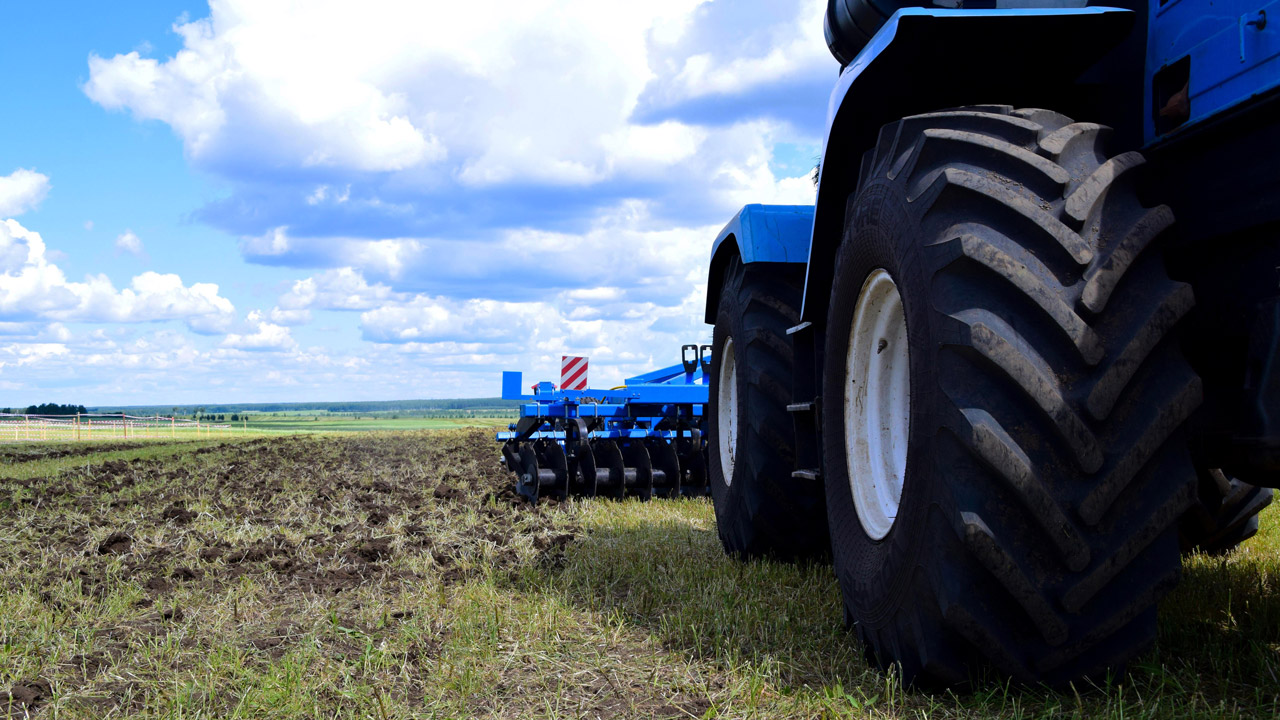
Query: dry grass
(394, 575)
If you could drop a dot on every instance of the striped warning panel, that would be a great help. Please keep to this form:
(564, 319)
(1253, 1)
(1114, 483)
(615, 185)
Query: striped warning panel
(573, 373)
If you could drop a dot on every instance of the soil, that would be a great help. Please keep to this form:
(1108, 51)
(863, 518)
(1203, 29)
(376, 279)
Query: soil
(116, 543)
(298, 518)
(24, 454)
(25, 697)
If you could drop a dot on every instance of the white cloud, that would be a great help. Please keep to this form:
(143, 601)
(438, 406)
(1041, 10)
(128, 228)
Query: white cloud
(486, 195)
(128, 242)
(323, 192)
(168, 366)
(621, 339)
(20, 191)
(526, 117)
(35, 332)
(275, 242)
(340, 289)
(544, 94)
(281, 316)
(265, 335)
(434, 319)
(627, 245)
(20, 354)
(795, 48)
(32, 287)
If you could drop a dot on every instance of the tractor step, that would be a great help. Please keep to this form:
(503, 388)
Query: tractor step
(807, 474)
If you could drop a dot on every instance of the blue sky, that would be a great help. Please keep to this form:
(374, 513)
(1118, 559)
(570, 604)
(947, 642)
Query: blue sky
(245, 201)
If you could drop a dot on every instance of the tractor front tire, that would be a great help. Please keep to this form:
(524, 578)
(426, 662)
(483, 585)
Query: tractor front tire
(1004, 401)
(760, 509)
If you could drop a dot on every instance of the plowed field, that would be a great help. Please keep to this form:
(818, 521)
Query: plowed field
(393, 575)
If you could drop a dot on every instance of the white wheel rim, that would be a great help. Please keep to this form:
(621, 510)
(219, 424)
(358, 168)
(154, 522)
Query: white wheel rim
(727, 409)
(877, 403)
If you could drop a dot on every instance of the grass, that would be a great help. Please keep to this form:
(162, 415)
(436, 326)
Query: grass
(394, 575)
(292, 422)
(257, 424)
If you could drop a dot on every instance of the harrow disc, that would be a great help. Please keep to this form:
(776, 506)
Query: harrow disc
(666, 468)
(585, 478)
(551, 456)
(638, 460)
(609, 460)
(608, 468)
(694, 464)
(528, 483)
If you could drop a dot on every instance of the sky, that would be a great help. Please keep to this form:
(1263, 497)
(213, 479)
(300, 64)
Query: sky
(247, 201)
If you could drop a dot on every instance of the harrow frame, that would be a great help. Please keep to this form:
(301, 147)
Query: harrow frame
(647, 437)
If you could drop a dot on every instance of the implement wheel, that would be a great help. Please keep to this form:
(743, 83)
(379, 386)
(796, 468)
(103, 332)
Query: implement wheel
(1004, 402)
(760, 509)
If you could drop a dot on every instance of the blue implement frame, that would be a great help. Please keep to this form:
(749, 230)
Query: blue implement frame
(645, 437)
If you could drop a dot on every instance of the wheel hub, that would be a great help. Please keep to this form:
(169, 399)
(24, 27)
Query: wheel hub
(877, 404)
(727, 409)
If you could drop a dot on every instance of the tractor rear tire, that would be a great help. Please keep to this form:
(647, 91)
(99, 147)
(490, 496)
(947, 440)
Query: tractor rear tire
(1040, 454)
(760, 509)
(1225, 514)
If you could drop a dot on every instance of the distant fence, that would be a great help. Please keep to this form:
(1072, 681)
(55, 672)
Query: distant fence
(20, 428)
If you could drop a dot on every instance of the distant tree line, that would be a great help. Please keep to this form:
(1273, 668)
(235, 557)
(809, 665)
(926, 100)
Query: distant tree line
(199, 413)
(419, 408)
(48, 409)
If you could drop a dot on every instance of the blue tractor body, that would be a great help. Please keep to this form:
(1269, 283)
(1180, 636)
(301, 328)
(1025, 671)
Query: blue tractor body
(1227, 52)
(1010, 363)
(1049, 450)
(922, 59)
(759, 234)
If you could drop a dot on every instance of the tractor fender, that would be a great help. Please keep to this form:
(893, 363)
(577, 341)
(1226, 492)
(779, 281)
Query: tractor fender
(924, 60)
(758, 233)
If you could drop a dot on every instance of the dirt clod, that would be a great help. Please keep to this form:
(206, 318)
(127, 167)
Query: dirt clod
(544, 542)
(158, 584)
(26, 695)
(117, 543)
(448, 492)
(373, 550)
(179, 514)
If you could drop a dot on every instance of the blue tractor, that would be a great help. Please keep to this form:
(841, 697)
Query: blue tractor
(1022, 351)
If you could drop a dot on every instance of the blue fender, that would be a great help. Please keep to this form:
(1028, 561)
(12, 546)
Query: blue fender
(759, 233)
(923, 60)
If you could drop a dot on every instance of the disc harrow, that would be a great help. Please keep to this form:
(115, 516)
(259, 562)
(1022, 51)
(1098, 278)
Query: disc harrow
(644, 439)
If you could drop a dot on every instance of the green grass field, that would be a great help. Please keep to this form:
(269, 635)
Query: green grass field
(395, 575)
(292, 422)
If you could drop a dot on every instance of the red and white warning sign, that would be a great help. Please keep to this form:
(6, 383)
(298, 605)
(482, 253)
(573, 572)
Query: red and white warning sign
(573, 373)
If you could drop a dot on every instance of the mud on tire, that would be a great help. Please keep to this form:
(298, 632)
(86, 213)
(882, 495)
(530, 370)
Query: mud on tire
(760, 509)
(1047, 465)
